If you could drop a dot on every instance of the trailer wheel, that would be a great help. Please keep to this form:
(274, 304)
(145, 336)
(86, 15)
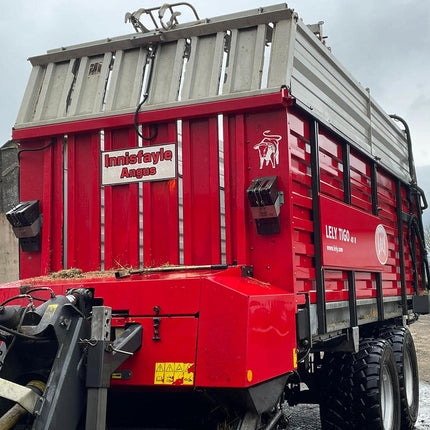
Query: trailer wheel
(376, 393)
(335, 381)
(406, 359)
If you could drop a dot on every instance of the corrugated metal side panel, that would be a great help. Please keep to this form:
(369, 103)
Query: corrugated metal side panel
(126, 80)
(160, 210)
(55, 258)
(83, 205)
(203, 71)
(54, 91)
(41, 172)
(245, 66)
(202, 221)
(237, 246)
(301, 193)
(336, 285)
(90, 85)
(387, 204)
(331, 166)
(166, 78)
(365, 284)
(106, 77)
(161, 214)
(282, 53)
(121, 210)
(388, 143)
(361, 187)
(29, 102)
(320, 82)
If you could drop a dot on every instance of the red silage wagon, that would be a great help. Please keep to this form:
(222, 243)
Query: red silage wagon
(216, 221)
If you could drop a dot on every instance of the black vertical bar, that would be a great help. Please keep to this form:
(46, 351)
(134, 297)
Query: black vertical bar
(423, 256)
(352, 291)
(374, 188)
(401, 247)
(353, 316)
(375, 211)
(379, 296)
(346, 173)
(412, 241)
(316, 186)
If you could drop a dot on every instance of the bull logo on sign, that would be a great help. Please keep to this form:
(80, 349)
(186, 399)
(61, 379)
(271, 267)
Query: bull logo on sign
(268, 149)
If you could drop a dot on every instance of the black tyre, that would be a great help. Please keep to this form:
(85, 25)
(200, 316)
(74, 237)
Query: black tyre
(336, 382)
(406, 359)
(376, 390)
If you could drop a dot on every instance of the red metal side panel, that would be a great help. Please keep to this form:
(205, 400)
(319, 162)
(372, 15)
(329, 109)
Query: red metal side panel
(336, 284)
(331, 165)
(361, 188)
(301, 196)
(161, 210)
(169, 361)
(84, 202)
(246, 332)
(121, 209)
(270, 255)
(387, 213)
(41, 178)
(52, 232)
(202, 222)
(365, 284)
(237, 248)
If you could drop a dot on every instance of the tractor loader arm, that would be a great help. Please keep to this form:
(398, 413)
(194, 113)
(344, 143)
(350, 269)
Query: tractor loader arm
(68, 359)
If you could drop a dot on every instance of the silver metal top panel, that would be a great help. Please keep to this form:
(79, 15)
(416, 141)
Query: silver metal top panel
(320, 82)
(231, 56)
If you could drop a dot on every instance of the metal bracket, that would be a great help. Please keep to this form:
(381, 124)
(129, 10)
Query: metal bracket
(104, 357)
(421, 304)
(247, 271)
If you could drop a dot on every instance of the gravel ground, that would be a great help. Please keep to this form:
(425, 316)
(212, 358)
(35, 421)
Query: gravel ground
(306, 417)
(420, 331)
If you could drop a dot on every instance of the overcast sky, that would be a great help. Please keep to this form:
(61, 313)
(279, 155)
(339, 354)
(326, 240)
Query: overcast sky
(384, 44)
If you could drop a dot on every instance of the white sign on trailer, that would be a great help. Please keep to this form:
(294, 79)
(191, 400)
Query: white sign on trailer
(143, 164)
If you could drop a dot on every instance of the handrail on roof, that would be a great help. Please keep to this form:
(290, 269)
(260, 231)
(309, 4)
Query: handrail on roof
(134, 18)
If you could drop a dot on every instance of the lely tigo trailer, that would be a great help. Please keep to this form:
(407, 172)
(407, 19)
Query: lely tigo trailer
(216, 221)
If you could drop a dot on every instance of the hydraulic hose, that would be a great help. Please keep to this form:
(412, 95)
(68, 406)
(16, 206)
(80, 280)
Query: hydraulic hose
(145, 97)
(53, 140)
